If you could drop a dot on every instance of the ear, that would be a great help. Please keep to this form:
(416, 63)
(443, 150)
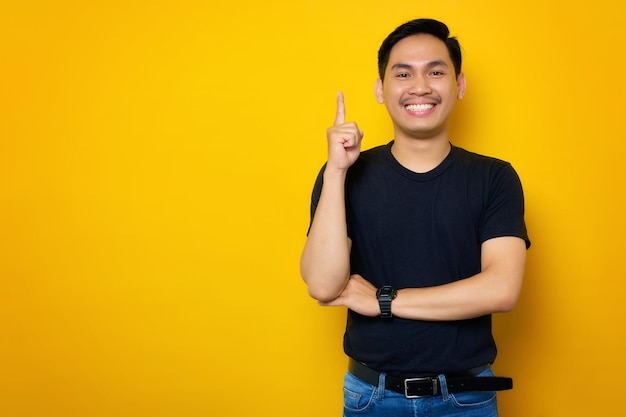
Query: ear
(378, 91)
(461, 85)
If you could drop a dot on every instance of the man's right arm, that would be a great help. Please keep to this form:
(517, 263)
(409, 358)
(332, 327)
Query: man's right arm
(325, 261)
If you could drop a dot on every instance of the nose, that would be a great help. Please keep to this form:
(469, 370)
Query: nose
(420, 85)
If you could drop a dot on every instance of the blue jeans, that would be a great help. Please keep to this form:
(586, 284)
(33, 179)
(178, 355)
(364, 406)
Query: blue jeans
(365, 400)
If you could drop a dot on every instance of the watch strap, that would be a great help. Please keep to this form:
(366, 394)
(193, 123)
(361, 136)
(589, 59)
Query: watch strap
(385, 296)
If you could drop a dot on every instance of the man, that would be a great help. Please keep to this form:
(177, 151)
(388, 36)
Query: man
(421, 240)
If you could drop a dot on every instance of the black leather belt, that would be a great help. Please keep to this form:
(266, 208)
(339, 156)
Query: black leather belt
(431, 386)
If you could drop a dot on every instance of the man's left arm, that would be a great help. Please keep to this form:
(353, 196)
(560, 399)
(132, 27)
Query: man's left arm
(495, 289)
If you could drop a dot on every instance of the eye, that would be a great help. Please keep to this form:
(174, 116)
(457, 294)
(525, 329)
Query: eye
(437, 73)
(403, 75)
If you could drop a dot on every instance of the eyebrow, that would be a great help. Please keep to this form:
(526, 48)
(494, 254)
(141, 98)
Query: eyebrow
(431, 64)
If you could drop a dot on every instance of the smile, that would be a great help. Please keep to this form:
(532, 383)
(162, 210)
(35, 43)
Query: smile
(419, 107)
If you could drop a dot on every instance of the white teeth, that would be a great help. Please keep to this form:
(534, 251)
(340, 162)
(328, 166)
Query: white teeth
(419, 107)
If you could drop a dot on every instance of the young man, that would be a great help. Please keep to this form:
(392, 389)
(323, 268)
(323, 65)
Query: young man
(421, 240)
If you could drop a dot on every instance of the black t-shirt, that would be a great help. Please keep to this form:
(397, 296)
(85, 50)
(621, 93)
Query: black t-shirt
(413, 230)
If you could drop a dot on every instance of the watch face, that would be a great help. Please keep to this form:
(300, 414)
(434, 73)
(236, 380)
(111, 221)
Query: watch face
(386, 291)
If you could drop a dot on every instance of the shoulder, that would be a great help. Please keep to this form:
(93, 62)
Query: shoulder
(479, 160)
(483, 165)
(487, 177)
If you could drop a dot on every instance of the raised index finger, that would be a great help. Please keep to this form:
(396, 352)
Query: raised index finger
(341, 110)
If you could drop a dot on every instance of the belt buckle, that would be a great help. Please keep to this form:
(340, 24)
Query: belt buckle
(409, 380)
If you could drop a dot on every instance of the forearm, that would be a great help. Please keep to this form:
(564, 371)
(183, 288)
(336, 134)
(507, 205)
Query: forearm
(472, 297)
(325, 261)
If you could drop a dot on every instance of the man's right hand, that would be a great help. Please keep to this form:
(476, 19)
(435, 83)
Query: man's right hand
(344, 140)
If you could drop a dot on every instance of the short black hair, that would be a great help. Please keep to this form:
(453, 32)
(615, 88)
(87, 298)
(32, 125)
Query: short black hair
(416, 27)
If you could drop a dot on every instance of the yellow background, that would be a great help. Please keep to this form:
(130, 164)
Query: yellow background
(156, 164)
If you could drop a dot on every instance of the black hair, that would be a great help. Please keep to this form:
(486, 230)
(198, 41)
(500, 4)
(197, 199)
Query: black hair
(416, 27)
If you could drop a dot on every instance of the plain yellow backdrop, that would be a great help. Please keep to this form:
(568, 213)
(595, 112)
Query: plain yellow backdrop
(156, 165)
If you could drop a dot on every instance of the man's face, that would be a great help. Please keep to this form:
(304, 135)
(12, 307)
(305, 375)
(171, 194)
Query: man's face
(420, 87)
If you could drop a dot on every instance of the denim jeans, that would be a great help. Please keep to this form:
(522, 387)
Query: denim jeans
(365, 400)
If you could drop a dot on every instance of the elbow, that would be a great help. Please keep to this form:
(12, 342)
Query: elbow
(323, 290)
(505, 306)
(323, 293)
(506, 302)
(323, 286)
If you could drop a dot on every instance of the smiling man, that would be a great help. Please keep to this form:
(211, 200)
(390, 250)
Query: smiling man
(421, 240)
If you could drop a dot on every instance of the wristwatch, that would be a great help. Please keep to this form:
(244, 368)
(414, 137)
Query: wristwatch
(385, 295)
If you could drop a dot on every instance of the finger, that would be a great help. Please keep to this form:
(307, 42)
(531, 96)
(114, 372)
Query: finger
(352, 139)
(341, 110)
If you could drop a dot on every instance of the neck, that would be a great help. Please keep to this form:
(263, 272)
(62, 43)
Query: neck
(420, 155)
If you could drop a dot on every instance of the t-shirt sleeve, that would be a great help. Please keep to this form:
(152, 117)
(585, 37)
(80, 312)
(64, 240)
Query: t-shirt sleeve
(504, 213)
(315, 196)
